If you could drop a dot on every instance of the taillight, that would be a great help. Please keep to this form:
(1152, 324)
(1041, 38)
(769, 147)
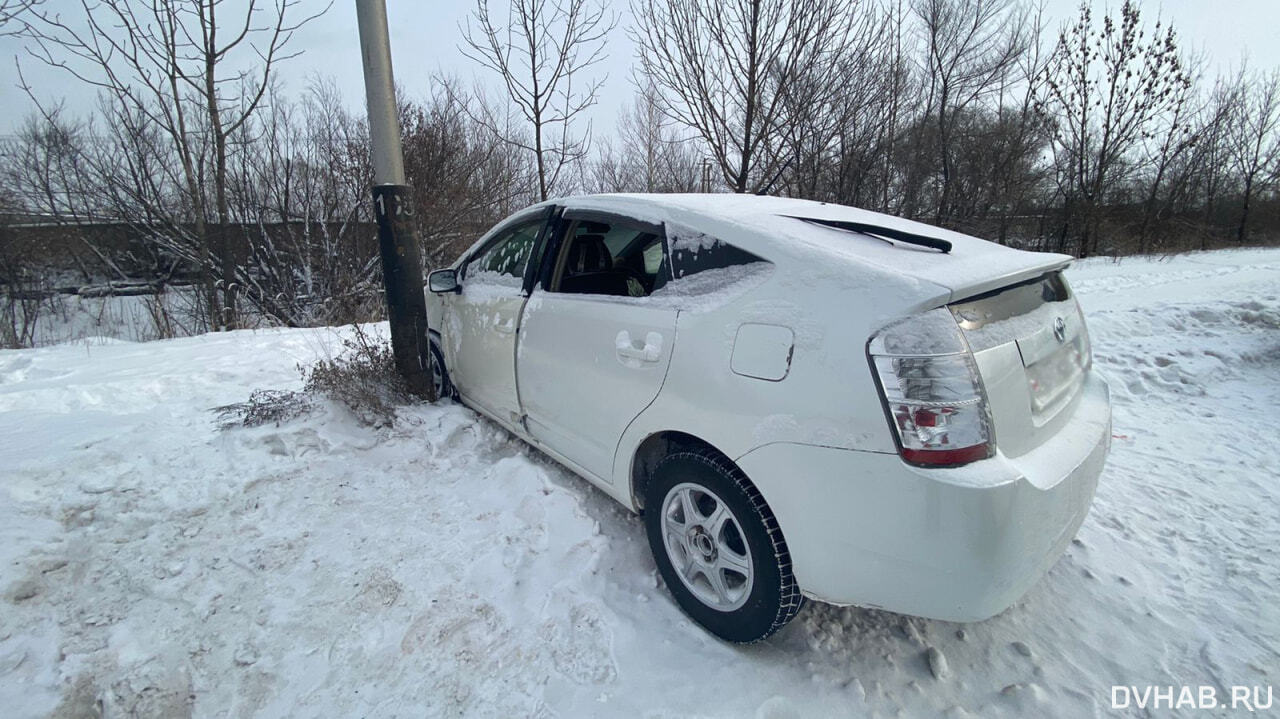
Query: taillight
(932, 392)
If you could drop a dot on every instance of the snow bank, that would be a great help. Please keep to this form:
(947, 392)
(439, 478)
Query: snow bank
(163, 568)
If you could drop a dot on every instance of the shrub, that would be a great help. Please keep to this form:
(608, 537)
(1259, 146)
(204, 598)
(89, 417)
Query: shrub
(362, 377)
(265, 406)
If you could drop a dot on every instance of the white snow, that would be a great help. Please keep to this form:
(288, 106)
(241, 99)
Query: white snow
(161, 567)
(1015, 328)
(99, 320)
(711, 288)
(684, 239)
(492, 278)
(766, 227)
(487, 288)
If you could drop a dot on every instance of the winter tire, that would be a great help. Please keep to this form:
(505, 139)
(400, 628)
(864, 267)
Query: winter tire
(439, 373)
(719, 548)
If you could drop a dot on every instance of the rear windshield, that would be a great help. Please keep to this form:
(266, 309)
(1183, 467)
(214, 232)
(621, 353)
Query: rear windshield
(1013, 301)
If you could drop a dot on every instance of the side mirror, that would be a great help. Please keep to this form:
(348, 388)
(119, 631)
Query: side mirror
(443, 281)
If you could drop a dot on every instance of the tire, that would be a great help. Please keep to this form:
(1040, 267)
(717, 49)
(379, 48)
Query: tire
(731, 573)
(439, 373)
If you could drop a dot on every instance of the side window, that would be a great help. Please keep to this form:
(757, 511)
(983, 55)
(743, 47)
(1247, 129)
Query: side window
(702, 264)
(503, 263)
(611, 257)
(693, 252)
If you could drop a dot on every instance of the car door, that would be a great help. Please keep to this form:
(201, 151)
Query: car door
(481, 322)
(594, 348)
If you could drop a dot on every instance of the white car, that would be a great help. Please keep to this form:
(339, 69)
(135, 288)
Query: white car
(803, 399)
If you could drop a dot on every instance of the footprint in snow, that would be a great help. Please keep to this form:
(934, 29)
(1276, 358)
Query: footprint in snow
(582, 647)
(379, 589)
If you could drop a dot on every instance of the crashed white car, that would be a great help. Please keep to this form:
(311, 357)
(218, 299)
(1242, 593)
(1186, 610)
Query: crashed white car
(803, 399)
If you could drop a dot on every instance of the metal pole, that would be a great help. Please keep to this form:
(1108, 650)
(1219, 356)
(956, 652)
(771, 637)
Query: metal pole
(393, 205)
(380, 92)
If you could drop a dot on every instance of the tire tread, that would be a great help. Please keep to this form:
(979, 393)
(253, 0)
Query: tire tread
(791, 600)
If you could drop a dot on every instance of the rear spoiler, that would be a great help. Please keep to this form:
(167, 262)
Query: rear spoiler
(883, 233)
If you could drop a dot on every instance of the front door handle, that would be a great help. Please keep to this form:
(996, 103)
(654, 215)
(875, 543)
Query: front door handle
(649, 353)
(505, 325)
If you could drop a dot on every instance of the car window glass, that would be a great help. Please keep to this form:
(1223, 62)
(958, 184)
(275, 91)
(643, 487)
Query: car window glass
(693, 252)
(652, 258)
(702, 264)
(503, 263)
(611, 258)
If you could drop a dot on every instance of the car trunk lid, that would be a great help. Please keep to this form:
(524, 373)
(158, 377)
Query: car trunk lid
(1031, 348)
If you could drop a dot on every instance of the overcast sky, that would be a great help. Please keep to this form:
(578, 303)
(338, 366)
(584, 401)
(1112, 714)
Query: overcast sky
(425, 35)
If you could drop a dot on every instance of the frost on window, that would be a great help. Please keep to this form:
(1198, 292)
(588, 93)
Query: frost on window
(707, 270)
(500, 279)
(693, 252)
(714, 282)
(503, 264)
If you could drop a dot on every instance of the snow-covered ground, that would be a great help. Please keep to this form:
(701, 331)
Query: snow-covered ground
(152, 565)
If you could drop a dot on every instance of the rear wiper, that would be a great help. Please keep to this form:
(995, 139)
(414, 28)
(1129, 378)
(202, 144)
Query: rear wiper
(884, 233)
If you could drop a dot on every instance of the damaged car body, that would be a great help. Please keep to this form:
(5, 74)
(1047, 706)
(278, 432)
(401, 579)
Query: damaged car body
(802, 399)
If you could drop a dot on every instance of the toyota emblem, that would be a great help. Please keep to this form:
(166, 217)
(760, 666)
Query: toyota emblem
(1060, 329)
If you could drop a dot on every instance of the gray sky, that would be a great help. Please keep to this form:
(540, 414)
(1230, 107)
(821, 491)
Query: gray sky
(424, 39)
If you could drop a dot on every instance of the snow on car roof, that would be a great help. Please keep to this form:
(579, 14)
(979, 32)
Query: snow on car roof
(768, 226)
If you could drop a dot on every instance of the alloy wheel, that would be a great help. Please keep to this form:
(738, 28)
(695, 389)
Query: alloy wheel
(707, 547)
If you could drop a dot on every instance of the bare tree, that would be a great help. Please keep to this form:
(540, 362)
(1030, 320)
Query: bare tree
(645, 137)
(173, 65)
(540, 52)
(1017, 171)
(1103, 90)
(1203, 173)
(42, 169)
(1253, 131)
(724, 67)
(881, 175)
(1174, 134)
(971, 49)
(11, 15)
(464, 176)
(828, 110)
(49, 167)
(650, 157)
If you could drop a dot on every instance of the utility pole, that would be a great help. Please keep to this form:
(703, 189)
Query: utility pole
(393, 206)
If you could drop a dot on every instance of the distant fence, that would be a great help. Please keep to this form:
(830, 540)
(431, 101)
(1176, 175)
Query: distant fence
(98, 249)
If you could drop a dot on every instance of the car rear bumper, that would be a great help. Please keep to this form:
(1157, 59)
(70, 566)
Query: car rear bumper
(958, 544)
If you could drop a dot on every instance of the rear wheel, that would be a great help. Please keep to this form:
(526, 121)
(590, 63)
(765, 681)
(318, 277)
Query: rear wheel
(719, 548)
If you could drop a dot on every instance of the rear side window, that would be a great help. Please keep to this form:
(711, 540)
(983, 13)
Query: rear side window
(693, 252)
(702, 264)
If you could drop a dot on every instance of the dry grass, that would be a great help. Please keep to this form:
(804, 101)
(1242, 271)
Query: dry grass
(362, 378)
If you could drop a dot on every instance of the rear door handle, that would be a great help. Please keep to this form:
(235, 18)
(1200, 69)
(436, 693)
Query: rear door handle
(650, 353)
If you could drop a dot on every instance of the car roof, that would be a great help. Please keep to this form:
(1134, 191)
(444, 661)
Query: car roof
(768, 226)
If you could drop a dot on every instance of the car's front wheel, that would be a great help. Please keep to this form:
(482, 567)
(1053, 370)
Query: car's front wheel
(439, 373)
(719, 548)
